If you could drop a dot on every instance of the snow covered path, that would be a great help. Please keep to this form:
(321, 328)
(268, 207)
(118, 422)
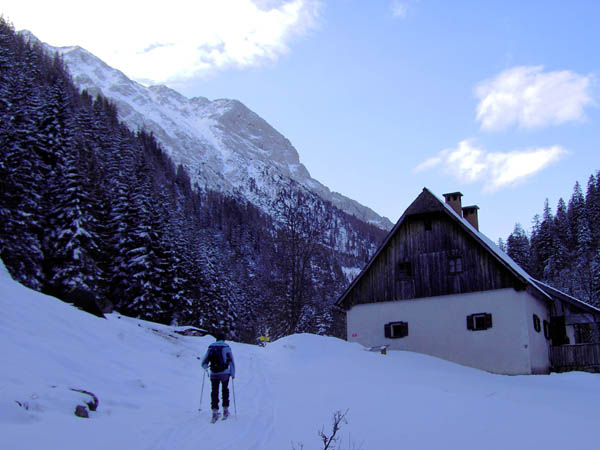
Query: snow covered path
(148, 382)
(187, 428)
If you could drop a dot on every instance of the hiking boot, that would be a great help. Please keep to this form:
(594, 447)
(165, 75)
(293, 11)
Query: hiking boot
(225, 413)
(215, 415)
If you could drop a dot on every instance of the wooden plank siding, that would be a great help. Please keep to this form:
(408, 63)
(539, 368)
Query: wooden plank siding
(429, 252)
(583, 357)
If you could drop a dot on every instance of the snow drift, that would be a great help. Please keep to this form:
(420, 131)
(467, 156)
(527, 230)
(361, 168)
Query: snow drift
(148, 382)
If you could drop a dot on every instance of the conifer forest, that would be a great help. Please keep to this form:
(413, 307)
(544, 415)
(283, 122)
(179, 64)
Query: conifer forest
(562, 248)
(93, 212)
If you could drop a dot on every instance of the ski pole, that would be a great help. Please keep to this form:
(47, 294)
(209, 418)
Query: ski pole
(234, 404)
(202, 391)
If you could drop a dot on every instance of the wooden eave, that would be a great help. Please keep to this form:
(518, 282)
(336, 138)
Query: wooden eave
(427, 203)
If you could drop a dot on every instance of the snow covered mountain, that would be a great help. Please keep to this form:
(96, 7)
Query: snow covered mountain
(222, 144)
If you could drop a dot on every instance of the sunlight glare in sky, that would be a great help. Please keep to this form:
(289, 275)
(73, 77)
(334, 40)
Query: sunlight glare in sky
(157, 41)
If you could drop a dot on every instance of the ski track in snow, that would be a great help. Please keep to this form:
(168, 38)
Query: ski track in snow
(263, 401)
(192, 429)
(256, 410)
(149, 381)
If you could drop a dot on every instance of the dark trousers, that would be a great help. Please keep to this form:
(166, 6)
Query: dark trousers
(215, 381)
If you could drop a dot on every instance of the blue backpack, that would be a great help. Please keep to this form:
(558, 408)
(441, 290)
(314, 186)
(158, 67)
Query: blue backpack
(215, 359)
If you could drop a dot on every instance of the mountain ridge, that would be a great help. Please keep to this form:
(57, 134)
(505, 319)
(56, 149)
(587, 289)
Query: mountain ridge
(222, 144)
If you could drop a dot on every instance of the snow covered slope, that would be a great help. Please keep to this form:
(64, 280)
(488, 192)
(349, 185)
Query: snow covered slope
(223, 145)
(148, 383)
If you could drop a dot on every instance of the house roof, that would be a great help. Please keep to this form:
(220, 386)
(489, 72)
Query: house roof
(427, 202)
(586, 307)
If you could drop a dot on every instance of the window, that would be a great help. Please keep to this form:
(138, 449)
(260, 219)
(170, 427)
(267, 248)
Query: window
(455, 265)
(479, 321)
(428, 224)
(546, 329)
(536, 323)
(583, 333)
(395, 330)
(404, 270)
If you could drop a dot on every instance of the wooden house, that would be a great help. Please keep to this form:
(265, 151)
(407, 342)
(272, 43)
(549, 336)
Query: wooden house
(438, 286)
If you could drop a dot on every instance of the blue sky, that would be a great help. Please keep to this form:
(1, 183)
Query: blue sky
(498, 99)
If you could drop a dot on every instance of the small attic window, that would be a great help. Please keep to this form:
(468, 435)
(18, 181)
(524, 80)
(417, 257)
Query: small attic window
(479, 321)
(428, 224)
(404, 270)
(395, 330)
(455, 265)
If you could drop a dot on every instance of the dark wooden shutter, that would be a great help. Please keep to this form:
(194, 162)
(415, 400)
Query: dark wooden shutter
(546, 329)
(388, 330)
(404, 329)
(536, 323)
(488, 321)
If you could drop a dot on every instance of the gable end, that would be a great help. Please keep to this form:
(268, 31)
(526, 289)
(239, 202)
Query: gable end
(444, 256)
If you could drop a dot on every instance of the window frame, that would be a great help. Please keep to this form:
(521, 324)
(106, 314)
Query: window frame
(484, 323)
(404, 270)
(428, 224)
(455, 265)
(396, 330)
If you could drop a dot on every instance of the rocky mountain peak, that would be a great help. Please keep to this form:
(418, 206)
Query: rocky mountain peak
(222, 144)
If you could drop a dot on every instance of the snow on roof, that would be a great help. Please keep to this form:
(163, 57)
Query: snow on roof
(547, 290)
(494, 249)
(566, 297)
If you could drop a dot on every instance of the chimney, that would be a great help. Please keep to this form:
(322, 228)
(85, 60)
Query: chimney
(454, 200)
(470, 215)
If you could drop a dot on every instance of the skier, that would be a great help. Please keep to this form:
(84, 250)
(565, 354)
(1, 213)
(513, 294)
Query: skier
(220, 359)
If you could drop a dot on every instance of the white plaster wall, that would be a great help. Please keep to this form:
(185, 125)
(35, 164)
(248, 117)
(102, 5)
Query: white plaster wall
(538, 344)
(438, 326)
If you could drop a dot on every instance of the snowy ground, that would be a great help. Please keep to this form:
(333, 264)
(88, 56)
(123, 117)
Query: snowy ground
(148, 382)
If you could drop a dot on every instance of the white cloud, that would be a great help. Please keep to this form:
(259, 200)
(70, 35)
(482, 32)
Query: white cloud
(399, 9)
(162, 41)
(531, 98)
(495, 170)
